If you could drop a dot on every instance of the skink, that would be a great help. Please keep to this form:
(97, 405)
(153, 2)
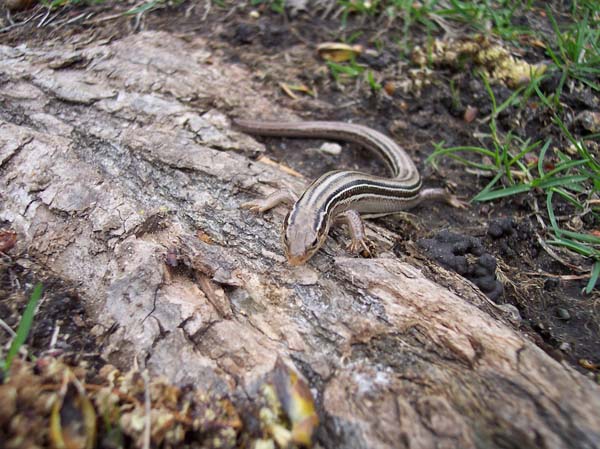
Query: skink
(341, 195)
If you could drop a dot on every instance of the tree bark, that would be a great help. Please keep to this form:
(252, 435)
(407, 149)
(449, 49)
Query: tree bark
(121, 174)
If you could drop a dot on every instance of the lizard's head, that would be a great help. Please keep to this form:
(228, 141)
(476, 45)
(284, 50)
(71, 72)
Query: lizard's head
(304, 232)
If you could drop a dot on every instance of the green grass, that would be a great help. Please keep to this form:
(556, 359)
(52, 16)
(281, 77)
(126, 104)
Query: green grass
(482, 16)
(576, 53)
(24, 328)
(352, 70)
(373, 83)
(500, 17)
(485, 16)
(518, 166)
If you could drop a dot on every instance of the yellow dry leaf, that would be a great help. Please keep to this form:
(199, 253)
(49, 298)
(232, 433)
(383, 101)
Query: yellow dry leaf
(338, 52)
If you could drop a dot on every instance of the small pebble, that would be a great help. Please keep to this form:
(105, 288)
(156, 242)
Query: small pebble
(564, 346)
(470, 113)
(590, 120)
(331, 148)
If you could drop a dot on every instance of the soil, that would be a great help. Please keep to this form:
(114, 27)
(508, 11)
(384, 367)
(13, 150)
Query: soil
(502, 236)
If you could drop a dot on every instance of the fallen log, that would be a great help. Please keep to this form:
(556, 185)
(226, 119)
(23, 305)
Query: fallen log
(122, 176)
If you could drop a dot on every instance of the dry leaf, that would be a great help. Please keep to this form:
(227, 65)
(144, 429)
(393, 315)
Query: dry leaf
(296, 401)
(338, 52)
(389, 87)
(72, 419)
(288, 91)
(588, 364)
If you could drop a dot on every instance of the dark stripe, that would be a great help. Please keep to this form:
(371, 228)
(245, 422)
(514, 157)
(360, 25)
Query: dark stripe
(316, 184)
(359, 186)
(348, 180)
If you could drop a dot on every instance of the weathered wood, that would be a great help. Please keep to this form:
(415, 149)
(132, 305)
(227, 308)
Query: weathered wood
(121, 174)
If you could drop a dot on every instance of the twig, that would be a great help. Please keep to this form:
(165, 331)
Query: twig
(337, 13)
(54, 338)
(536, 209)
(85, 15)
(562, 277)
(231, 12)
(106, 18)
(479, 172)
(53, 18)
(16, 25)
(555, 256)
(207, 9)
(7, 328)
(41, 24)
(9, 17)
(449, 31)
(189, 9)
(138, 20)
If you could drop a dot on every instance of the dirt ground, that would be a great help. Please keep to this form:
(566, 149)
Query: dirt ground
(280, 48)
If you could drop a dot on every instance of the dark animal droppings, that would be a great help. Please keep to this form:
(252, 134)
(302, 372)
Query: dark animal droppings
(451, 250)
(244, 34)
(501, 227)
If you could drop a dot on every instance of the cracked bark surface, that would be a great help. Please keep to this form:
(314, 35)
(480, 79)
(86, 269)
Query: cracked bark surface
(117, 162)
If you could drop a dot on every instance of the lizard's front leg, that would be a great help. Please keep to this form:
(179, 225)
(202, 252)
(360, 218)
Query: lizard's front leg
(357, 231)
(276, 198)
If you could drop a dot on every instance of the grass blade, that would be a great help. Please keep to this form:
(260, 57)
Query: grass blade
(587, 238)
(565, 166)
(500, 193)
(542, 156)
(142, 8)
(561, 181)
(593, 277)
(550, 210)
(574, 246)
(569, 197)
(491, 184)
(24, 326)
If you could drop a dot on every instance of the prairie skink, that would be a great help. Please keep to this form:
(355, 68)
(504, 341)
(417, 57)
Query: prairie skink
(341, 195)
